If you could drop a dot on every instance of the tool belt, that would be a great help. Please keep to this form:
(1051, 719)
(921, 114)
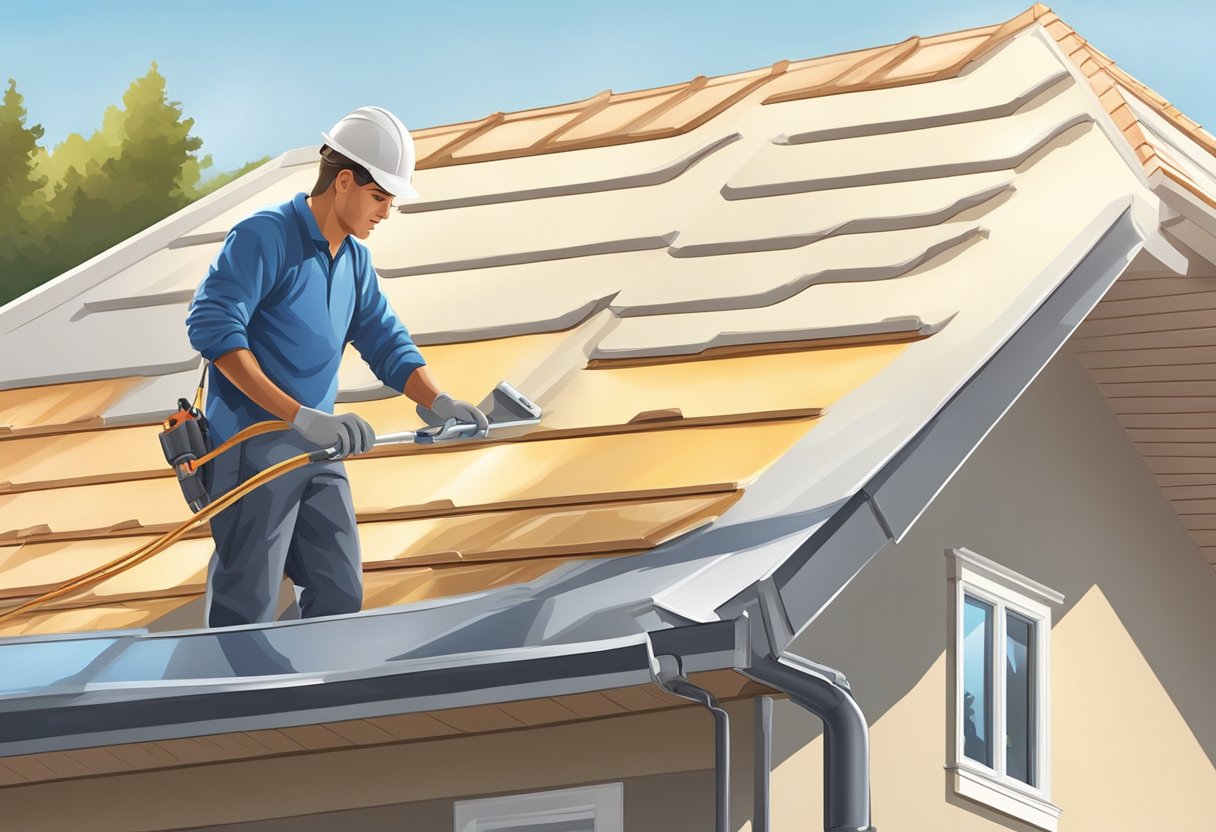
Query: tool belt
(186, 441)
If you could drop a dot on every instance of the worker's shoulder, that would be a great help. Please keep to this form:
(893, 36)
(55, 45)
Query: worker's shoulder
(268, 222)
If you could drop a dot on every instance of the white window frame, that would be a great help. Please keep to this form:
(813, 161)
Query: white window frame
(1007, 591)
(603, 804)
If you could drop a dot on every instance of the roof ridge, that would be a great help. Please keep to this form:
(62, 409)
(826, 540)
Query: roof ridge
(871, 67)
(1111, 83)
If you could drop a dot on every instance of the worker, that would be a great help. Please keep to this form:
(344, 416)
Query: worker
(288, 290)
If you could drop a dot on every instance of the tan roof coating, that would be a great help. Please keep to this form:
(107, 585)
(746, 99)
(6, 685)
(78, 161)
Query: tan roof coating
(644, 412)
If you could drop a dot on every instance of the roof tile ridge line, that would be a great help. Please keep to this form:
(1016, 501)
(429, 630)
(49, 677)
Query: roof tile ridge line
(690, 88)
(1071, 61)
(953, 34)
(60, 428)
(613, 138)
(424, 511)
(594, 105)
(1135, 86)
(425, 560)
(1068, 32)
(443, 153)
(1002, 31)
(619, 137)
(1006, 30)
(799, 94)
(1129, 83)
(776, 70)
(416, 511)
(868, 68)
(557, 434)
(1135, 136)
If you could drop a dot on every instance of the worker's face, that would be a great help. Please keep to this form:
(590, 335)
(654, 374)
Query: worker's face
(359, 208)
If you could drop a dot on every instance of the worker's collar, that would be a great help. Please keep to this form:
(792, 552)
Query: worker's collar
(310, 221)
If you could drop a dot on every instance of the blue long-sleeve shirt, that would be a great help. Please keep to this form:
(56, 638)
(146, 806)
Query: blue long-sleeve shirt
(275, 290)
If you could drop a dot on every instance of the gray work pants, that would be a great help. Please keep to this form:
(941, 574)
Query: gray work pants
(301, 524)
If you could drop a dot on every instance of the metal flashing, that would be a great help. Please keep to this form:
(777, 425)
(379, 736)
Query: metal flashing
(906, 486)
(267, 676)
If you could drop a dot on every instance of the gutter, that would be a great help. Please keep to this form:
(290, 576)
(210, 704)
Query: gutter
(671, 678)
(84, 712)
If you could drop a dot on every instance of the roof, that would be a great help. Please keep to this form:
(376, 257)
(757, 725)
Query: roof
(764, 313)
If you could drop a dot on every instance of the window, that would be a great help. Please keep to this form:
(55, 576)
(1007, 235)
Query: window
(588, 809)
(1000, 630)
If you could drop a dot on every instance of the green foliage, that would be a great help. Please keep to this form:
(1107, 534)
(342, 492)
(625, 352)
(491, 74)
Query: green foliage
(224, 178)
(60, 208)
(23, 247)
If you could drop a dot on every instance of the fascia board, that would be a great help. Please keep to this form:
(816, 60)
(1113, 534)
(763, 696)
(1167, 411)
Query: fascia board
(1179, 198)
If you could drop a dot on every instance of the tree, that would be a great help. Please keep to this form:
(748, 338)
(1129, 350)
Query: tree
(150, 173)
(60, 208)
(224, 178)
(23, 249)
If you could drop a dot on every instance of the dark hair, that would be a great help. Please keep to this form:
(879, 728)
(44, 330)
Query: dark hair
(333, 163)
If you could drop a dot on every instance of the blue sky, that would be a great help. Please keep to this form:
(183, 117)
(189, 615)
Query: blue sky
(263, 76)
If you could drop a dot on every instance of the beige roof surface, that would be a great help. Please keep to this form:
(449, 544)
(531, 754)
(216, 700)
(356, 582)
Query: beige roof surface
(714, 289)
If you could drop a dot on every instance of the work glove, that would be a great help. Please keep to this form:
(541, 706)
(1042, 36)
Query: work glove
(349, 433)
(445, 407)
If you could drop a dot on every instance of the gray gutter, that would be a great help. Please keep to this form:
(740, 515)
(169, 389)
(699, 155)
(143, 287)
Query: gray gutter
(670, 677)
(80, 713)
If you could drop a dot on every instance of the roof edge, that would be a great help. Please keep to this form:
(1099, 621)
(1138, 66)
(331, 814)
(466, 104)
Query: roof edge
(259, 693)
(125, 253)
(891, 502)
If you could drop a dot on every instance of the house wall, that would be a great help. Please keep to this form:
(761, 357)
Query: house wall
(1057, 493)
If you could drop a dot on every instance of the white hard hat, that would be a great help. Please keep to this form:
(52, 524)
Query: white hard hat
(376, 139)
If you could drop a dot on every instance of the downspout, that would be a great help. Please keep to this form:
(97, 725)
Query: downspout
(670, 677)
(762, 764)
(826, 694)
(846, 747)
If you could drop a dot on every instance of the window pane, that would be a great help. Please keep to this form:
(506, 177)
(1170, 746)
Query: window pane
(977, 680)
(1020, 707)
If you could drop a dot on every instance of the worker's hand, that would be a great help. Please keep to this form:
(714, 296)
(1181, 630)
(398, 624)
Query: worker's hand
(349, 433)
(445, 407)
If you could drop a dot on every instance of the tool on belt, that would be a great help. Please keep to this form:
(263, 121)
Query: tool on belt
(185, 440)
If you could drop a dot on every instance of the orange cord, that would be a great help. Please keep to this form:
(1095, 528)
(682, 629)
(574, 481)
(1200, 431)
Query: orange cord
(139, 555)
(239, 437)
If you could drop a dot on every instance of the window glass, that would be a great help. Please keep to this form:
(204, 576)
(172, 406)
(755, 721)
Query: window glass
(1019, 693)
(977, 680)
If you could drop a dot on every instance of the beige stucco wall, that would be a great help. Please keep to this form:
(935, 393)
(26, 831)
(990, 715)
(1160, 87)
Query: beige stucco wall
(1057, 493)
